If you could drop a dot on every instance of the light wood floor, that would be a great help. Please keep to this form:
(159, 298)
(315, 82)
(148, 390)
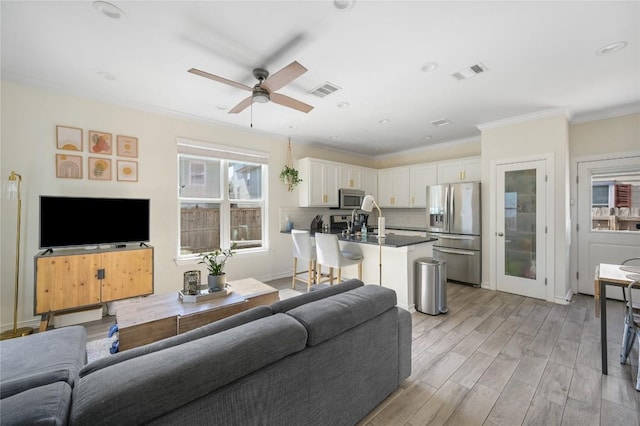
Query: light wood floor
(503, 359)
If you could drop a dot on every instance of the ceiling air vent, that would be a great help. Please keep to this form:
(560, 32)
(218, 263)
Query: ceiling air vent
(441, 122)
(472, 71)
(324, 89)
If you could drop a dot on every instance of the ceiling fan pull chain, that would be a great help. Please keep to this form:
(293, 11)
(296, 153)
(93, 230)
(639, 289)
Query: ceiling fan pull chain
(251, 108)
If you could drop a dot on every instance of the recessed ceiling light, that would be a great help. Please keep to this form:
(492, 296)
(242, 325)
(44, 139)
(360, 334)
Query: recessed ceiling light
(108, 9)
(428, 137)
(293, 127)
(106, 75)
(429, 67)
(384, 121)
(343, 105)
(222, 107)
(613, 47)
(333, 137)
(343, 5)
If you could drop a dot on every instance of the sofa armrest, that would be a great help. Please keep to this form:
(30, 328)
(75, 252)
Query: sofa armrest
(404, 344)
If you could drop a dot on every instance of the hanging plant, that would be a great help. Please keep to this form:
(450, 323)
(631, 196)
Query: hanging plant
(288, 174)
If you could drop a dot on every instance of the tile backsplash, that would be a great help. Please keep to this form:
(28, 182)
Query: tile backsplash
(302, 216)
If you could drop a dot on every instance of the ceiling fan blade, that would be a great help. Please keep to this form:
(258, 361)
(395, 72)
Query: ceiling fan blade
(219, 79)
(285, 100)
(242, 105)
(284, 76)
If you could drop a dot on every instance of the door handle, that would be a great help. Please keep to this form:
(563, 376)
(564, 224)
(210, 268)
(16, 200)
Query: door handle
(451, 251)
(500, 234)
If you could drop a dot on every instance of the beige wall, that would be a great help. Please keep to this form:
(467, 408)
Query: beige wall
(534, 138)
(446, 151)
(619, 134)
(29, 118)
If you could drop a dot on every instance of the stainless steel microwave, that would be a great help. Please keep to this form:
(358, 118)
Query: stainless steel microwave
(350, 198)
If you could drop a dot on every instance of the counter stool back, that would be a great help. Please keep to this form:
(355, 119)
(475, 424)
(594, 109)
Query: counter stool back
(330, 255)
(303, 250)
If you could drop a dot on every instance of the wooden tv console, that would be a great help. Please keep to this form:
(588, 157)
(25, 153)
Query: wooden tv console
(72, 279)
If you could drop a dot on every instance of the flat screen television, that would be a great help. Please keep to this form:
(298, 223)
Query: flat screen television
(83, 221)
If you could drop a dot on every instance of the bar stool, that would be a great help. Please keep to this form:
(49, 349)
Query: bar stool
(330, 255)
(304, 250)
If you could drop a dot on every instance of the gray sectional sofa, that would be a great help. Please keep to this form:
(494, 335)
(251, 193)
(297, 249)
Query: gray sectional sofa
(325, 357)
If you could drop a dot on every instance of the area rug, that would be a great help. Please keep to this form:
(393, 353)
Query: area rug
(97, 349)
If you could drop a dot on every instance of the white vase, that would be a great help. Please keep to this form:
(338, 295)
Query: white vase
(216, 282)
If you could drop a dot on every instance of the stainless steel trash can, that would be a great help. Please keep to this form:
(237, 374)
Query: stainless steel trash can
(430, 280)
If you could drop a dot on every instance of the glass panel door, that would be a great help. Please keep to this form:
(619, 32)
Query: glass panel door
(520, 223)
(520, 226)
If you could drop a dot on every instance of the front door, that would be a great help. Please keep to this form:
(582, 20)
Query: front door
(521, 228)
(607, 231)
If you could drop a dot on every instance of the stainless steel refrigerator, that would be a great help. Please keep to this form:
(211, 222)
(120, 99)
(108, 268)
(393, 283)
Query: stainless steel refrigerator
(453, 216)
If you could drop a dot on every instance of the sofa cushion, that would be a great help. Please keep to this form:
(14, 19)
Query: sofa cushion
(42, 358)
(43, 405)
(293, 302)
(240, 318)
(168, 379)
(332, 316)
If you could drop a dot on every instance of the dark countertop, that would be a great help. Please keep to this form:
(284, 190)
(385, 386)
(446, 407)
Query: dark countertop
(405, 228)
(388, 241)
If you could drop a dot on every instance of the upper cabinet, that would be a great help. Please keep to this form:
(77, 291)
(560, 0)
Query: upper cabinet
(319, 187)
(460, 170)
(421, 176)
(349, 177)
(370, 181)
(393, 187)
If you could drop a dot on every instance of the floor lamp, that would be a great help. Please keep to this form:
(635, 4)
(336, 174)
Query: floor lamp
(12, 192)
(368, 203)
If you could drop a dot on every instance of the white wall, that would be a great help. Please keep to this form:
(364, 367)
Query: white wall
(28, 146)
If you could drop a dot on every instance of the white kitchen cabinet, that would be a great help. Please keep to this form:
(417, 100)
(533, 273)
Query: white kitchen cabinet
(461, 170)
(350, 177)
(370, 181)
(421, 176)
(319, 187)
(393, 187)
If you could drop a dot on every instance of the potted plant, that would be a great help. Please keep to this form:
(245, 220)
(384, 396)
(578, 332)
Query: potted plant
(289, 175)
(216, 261)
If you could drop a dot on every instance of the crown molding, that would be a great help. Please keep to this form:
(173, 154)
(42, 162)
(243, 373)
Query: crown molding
(526, 117)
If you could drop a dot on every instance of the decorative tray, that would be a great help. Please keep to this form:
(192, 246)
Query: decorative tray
(202, 295)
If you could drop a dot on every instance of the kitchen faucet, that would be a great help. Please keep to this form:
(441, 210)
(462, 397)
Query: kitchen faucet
(354, 213)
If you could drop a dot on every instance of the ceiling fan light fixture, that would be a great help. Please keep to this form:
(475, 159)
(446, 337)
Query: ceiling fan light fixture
(261, 96)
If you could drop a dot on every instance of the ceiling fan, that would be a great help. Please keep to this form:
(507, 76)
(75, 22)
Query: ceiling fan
(265, 90)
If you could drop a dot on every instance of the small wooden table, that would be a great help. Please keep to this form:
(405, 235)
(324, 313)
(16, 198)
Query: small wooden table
(152, 318)
(606, 274)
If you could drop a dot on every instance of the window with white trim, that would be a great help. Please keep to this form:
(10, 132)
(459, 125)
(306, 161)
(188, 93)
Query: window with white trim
(222, 194)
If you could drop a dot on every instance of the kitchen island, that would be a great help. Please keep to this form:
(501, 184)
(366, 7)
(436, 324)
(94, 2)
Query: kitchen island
(398, 255)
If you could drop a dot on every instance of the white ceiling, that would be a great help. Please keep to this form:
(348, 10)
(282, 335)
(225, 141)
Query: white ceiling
(539, 55)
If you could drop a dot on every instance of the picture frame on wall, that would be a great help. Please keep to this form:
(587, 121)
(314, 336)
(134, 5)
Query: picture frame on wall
(68, 166)
(99, 168)
(100, 142)
(69, 138)
(127, 171)
(127, 146)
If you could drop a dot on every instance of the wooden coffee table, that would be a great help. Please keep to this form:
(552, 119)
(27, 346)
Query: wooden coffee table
(152, 318)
